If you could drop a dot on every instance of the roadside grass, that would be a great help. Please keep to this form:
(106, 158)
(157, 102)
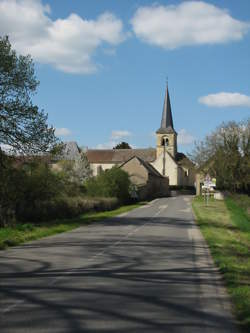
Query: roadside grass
(24, 232)
(226, 228)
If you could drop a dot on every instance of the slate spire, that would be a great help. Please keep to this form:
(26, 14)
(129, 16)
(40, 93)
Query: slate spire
(167, 125)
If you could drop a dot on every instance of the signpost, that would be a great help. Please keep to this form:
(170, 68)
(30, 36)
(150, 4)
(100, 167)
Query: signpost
(208, 186)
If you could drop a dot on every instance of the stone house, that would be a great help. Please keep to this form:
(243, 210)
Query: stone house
(148, 181)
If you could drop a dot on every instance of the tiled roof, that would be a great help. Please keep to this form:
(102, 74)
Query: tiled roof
(183, 160)
(119, 155)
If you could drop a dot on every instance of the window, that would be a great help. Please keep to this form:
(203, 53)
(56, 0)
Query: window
(164, 142)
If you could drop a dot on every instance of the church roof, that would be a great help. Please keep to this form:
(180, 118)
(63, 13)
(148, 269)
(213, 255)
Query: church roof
(167, 125)
(119, 155)
(183, 160)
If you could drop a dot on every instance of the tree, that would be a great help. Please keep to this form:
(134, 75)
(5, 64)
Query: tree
(225, 154)
(77, 170)
(110, 183)
(82, 169)
(23, 127)
(122, 145)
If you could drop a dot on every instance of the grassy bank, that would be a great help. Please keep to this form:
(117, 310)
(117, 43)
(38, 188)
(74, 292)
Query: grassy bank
(21, 233)
(226, 227)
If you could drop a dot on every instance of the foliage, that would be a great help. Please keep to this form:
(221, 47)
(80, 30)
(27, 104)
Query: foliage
(31, 191)
(23, 127)
(81, 168)
(77, 170)
(62, 207)
(110, 183)
(122, 145)
(23, 183)
(225, 154)
(11, 181)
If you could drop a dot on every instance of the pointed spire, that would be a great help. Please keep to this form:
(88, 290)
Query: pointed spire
(167, 125)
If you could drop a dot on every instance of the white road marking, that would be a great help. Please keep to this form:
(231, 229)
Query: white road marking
(163, 206)
(12, 306)
(158, 213)
(185, 210)
(161, 209)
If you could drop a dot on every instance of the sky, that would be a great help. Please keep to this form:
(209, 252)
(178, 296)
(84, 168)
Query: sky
(103, 65)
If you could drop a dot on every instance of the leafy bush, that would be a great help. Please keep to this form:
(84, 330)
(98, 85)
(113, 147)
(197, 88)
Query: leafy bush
(110, 183)
(64, 207)
(30, 190)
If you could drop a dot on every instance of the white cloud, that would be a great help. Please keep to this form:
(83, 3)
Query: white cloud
(67, 44)
(62, 131)
(225, 99)
(185, 138)
(190, 23)
(115, 138)
(120, 134)
(108, 145)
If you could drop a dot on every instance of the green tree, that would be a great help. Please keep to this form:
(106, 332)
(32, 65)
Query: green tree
(225, 154)
(23, 127)
(122, 145)
(110, 183)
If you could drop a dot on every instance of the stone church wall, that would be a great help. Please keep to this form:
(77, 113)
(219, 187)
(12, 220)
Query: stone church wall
(171, 168)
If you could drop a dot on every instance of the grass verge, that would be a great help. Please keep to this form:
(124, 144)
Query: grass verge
(226, 228)
(21, 233)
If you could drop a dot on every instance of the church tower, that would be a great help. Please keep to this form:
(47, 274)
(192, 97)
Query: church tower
(166, 135)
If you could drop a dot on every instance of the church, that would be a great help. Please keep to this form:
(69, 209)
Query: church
(164, 161)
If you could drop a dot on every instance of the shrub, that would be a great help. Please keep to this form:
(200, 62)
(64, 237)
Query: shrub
(110, 183)
(65, 207)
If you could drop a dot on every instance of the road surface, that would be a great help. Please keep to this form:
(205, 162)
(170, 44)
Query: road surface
(145, 271)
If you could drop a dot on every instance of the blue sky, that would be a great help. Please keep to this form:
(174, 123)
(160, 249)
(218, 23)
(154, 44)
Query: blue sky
(103, 64)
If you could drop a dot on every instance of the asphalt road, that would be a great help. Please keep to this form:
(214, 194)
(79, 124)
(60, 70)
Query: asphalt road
(146, 271)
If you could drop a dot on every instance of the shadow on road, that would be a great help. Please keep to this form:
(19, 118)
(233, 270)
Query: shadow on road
(145, 282)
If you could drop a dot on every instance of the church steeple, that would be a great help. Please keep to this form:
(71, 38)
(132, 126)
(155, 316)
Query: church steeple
(166, 135)
(167, 125)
